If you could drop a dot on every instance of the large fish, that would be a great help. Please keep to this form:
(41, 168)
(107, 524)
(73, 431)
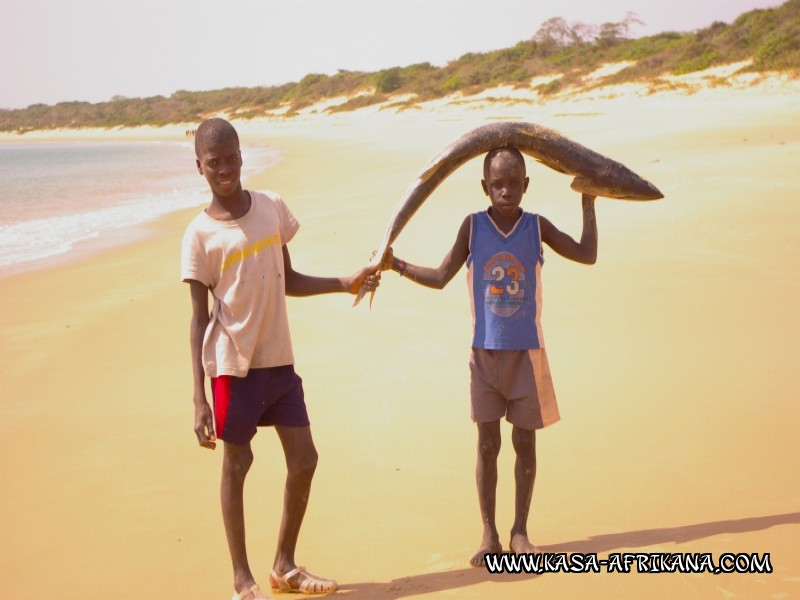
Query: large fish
(593, 173)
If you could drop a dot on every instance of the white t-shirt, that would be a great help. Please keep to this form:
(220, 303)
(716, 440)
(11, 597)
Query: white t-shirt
(241, 261)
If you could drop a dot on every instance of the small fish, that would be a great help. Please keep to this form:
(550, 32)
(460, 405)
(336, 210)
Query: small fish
(593, 173)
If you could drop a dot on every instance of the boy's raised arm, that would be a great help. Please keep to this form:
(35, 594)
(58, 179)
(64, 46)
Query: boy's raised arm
(584, 251)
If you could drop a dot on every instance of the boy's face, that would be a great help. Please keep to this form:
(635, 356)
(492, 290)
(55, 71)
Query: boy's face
(220, 162)
(505, 184)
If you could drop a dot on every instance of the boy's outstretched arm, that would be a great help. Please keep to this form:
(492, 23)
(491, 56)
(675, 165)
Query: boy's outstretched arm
(441, 276)
(203, 417)
(298, 284)
(584, 251)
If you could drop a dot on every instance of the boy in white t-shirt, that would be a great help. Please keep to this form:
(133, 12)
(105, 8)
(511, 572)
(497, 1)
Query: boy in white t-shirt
(236, 251)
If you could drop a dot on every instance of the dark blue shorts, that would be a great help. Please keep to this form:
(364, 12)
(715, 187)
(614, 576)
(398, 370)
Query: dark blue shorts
(263, 397)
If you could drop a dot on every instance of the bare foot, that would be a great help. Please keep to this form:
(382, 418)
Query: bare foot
(252, 592)
(489, 545)
(520, 544)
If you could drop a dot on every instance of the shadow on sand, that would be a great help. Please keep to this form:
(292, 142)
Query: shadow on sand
(428, 583)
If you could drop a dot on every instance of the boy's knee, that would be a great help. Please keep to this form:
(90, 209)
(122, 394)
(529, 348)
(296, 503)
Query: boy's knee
(489, 440)
(489, 447)
(524, 441)
(238, 460)
(304, 465)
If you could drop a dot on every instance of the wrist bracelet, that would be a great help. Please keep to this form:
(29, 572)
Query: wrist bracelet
(401, 267)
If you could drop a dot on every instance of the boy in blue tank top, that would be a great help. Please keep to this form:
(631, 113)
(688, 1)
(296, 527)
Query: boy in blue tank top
(509, 372)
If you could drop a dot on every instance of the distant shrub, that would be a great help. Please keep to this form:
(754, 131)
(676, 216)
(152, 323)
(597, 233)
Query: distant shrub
(649, 46)
(696, 56)
(561, 58)
(388, 81)
(695, 63)
(452, 83)
(479, 77)
(779, 50)
(356, 103)
(519, 75)
(311, 79)
(550, 88)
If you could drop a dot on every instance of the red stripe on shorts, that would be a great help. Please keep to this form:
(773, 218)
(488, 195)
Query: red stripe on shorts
(222, 401)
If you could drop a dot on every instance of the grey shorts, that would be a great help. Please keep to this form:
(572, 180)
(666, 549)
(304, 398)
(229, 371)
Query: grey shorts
(515, 384)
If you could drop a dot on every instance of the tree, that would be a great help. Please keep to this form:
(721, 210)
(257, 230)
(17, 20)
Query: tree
(583, 33)
(554, 33)
(611, 33)
(631, 18)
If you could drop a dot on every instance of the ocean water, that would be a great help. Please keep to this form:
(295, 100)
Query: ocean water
(54, 196)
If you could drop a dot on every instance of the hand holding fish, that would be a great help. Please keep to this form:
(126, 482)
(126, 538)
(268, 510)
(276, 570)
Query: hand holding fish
(366, 280)
(374, 269)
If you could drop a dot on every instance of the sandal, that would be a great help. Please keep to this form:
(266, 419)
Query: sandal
(253, 593)
(306, 582)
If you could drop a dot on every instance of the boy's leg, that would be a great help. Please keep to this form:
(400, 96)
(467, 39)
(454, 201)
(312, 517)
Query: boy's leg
(236, 462)
(486, 478)
(301, 462)
(524, 441)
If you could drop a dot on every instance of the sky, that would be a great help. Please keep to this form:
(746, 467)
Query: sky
(91, 50)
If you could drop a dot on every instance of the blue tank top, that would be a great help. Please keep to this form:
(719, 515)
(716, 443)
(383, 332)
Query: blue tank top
(504, 279)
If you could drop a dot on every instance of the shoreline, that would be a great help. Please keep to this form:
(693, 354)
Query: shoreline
(459, 112)
(116, 212)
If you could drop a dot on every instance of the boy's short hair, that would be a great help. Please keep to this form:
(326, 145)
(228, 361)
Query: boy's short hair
(492, 153)
(213, 130)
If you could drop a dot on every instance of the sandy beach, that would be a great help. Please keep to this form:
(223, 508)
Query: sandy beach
(674, 360)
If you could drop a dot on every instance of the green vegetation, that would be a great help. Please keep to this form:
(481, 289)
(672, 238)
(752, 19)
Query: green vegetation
(770, 37)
